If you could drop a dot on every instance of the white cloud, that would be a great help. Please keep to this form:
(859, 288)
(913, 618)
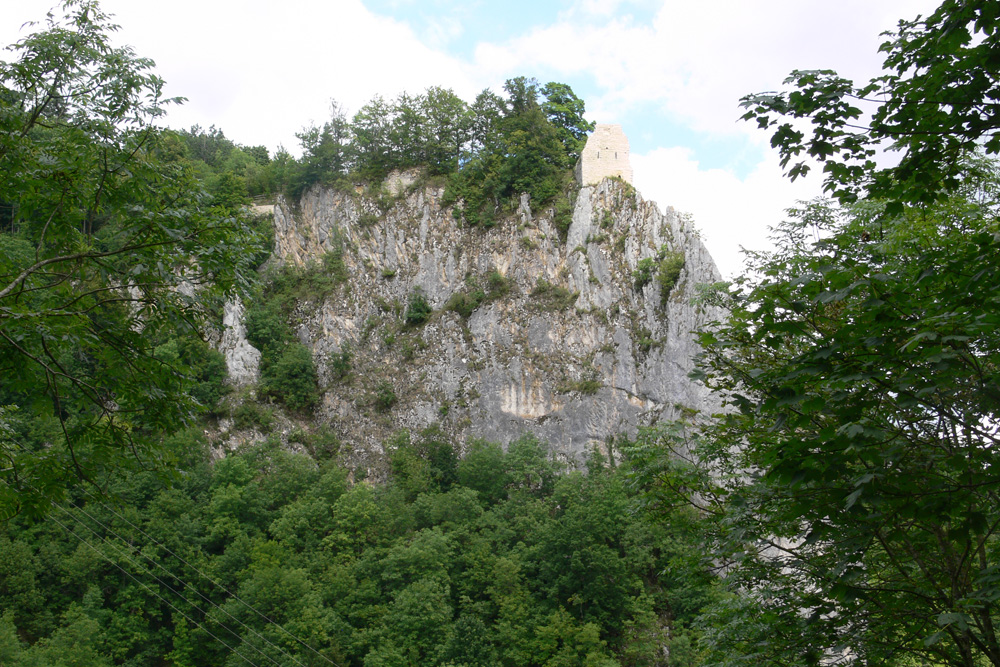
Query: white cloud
(696, 59)
(730, 212)
(260, 70)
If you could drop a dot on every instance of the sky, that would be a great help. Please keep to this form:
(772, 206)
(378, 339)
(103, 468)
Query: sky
(670, 72)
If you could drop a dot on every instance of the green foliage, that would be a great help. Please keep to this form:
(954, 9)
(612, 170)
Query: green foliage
(418, 311)
(551, 297)
(666, 266)
(587, 386)
(856, 366)
(497, 558)
(565, 111)
(849, 482)
(291, 378)
(267, 316)
(384, 396)
(334, 265)
(644, 340)
(288, 373)
(10, 643)
(465, 302)
(668, 272)
(106, 221)
(643, 273)
(202, 366)
(562, 212)
(520, 146)
(267, 326)
(340, 362)
(250, 414)
(326, 153)
(232, 174)
(74, 643)
(940, 75)
(497, 284)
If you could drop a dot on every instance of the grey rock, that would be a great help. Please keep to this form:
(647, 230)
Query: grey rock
(612, 361)
(242, 358)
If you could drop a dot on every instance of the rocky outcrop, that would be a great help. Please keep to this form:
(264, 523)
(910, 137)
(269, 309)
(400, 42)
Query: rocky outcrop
(242, 358)
(567, 344)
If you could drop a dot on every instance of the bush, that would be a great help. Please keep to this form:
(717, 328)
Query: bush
(267, 327)
(668, 273)
(322, 443)
(552, 297)
(667, 266)
(201, 364)
(250, 414)
(384, 396)
(497, 284)
(643, 273)
(340, 363)
(418, 311)
(464, 303)
(291, 379)
(587, 387)
(334, 265)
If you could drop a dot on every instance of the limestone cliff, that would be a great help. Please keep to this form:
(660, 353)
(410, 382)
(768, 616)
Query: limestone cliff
(576, 347)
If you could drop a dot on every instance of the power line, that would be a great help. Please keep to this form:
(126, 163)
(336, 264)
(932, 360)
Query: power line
(185, 585)
(216, 584)
(167, 602)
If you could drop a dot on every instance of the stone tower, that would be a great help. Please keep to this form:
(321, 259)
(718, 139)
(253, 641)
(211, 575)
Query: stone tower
(606, 154)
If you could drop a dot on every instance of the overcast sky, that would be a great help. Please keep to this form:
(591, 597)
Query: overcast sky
(671, 72)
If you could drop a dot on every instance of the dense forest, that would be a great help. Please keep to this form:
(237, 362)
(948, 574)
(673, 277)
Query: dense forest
(843, 509)
(271, 557)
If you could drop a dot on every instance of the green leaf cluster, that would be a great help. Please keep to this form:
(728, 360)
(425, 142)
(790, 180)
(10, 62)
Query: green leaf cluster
(111, 246)
(418, 310)
(666, 266)
(468, 300)
(935, 102)
(860, 371)
(850, 483)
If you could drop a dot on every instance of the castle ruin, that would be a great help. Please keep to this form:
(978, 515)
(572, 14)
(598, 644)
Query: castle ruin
(606, 154)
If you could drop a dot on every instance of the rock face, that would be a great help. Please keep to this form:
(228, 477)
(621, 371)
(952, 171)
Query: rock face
(567, 344)
(242, 358)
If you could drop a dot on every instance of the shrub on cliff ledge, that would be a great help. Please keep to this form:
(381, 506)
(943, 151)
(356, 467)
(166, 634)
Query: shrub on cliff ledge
(291, 378)
(418, 311)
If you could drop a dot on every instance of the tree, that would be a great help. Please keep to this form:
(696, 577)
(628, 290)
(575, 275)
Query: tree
(105, 246)
(447, 128)
(939, 99)
(291, 377)
(863, 373)
(565, 110)
(852, 486)
(325, 151)
(408, 134)
(372, 129)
